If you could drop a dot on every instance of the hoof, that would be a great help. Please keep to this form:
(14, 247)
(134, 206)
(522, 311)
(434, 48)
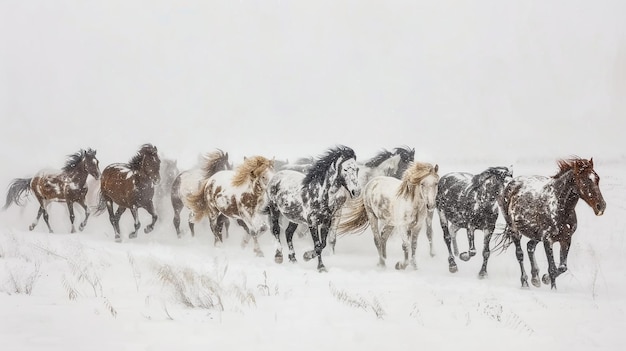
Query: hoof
(432, 254)
(118, 239)
(524, 284)
(292, 258)
(308, 255)
(453, 268)
(148, 229)
(322, 269)
(535, 281)
(132, 235)
(81, 227)
(546, 279)
(400, 266)
(259, 253)
(465, 256)
(31, 227)
(278, 258)
(482, 275)
(73, 231)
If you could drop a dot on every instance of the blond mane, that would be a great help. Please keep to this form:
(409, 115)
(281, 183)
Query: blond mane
(411, 178)
(212, 162)
(250, 169)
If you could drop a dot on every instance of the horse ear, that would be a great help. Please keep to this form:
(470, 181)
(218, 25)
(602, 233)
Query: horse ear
(591, 162)
(436, 168)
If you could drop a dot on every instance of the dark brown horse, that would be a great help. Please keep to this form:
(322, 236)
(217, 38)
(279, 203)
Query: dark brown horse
(131, 186)
(543, 209)
(68, 185)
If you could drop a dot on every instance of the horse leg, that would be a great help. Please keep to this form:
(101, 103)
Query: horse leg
(226, 228)
(406, 237)
(247, 237)
(520, 257)
(87, 213)
(318, 246)
(452, 267)
(34, 224)
(150, 208)
(274, 219)
(137, 225)
(550, 277)
(534, 269)
(378, 240)
(115, 219)
(70, 207)
(455, 246)
(332, 235)
(465, 256)
(291, 229)
(177, 204)
(414, 233)
(486, 252)
(565, 245)
(429, 230)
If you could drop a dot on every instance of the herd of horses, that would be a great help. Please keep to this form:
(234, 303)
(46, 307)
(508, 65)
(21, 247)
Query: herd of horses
(332, 195)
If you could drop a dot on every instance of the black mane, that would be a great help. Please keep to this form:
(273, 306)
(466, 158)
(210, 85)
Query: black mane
(318, 171)
(377, 160)
(135, 162)
(407, 155)
(74, 159)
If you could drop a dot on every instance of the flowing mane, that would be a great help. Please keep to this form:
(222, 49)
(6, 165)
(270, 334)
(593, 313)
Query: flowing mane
(406, 153)
(382, 156)
(318, 171)
(479, 179)
(74, 159)
(213, 162)
(251, 168)
(135, 162)
(412, 177)
(573, 162)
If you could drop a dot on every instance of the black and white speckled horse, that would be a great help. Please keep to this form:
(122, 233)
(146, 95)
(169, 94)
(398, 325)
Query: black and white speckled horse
(312, 199)
(192, 181)
(468, 201)
(68, 185)
(389, 205)
(543, 209)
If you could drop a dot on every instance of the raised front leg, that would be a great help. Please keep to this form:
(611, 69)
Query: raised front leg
(465, 256)
(534, 269)
(87, 213)
(319, 244)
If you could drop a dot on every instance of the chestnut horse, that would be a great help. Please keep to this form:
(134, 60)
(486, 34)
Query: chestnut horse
(131, 186)
(69, 186)
(543, 209)
(238, 194)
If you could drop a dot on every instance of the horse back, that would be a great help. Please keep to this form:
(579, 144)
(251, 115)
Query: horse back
(117, 182)
(459, 202)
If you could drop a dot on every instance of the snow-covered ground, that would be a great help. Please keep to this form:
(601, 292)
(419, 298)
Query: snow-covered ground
(469, 85)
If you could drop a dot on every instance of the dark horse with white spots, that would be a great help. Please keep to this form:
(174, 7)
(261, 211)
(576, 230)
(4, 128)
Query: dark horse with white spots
(131, 185)
(313, 199)
(467, 201)
(69, 186)
(543, 209)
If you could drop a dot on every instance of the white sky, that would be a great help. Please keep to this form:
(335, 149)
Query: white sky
(287, 78)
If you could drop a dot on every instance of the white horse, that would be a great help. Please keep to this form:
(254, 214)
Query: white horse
(388, 203)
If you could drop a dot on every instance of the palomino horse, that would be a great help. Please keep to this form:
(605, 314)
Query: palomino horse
(388, 203)
(313, 199)
(192, 182)
(237, 194)
(543, 209)
(470, 201)
(131, 185)
(69, 186)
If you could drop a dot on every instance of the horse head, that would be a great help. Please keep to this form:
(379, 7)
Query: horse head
(91, 163)
(347, 175)
(587, 184)
(150, 162)
(421, 179)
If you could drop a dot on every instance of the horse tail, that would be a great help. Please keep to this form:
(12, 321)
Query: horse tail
(102, 204)
(354, 217)
(18, 188)
(198, 202)
(502, 240)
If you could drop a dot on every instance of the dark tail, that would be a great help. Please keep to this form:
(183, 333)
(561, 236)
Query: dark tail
(102, 205)
(502, 241)
(19, 188)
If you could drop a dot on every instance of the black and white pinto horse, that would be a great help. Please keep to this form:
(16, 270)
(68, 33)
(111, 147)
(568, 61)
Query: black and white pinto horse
(467, 201)
(386, 163)
(312, 199)
(544, 210)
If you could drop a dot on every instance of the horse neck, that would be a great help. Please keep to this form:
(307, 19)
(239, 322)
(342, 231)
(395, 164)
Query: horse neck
(77, 175)
(565, 190)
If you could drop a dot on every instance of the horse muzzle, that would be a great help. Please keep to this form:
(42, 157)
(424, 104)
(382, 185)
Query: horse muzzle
(355, 193)
(599, 208)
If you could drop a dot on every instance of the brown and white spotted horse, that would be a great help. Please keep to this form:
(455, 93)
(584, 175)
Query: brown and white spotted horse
(68, 185)
(131, 185)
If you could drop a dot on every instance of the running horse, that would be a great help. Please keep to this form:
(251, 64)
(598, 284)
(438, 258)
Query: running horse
(390, 205)
(238, 194)
(69, 186)
(313, 199)
(131, 186)
(543, 209)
